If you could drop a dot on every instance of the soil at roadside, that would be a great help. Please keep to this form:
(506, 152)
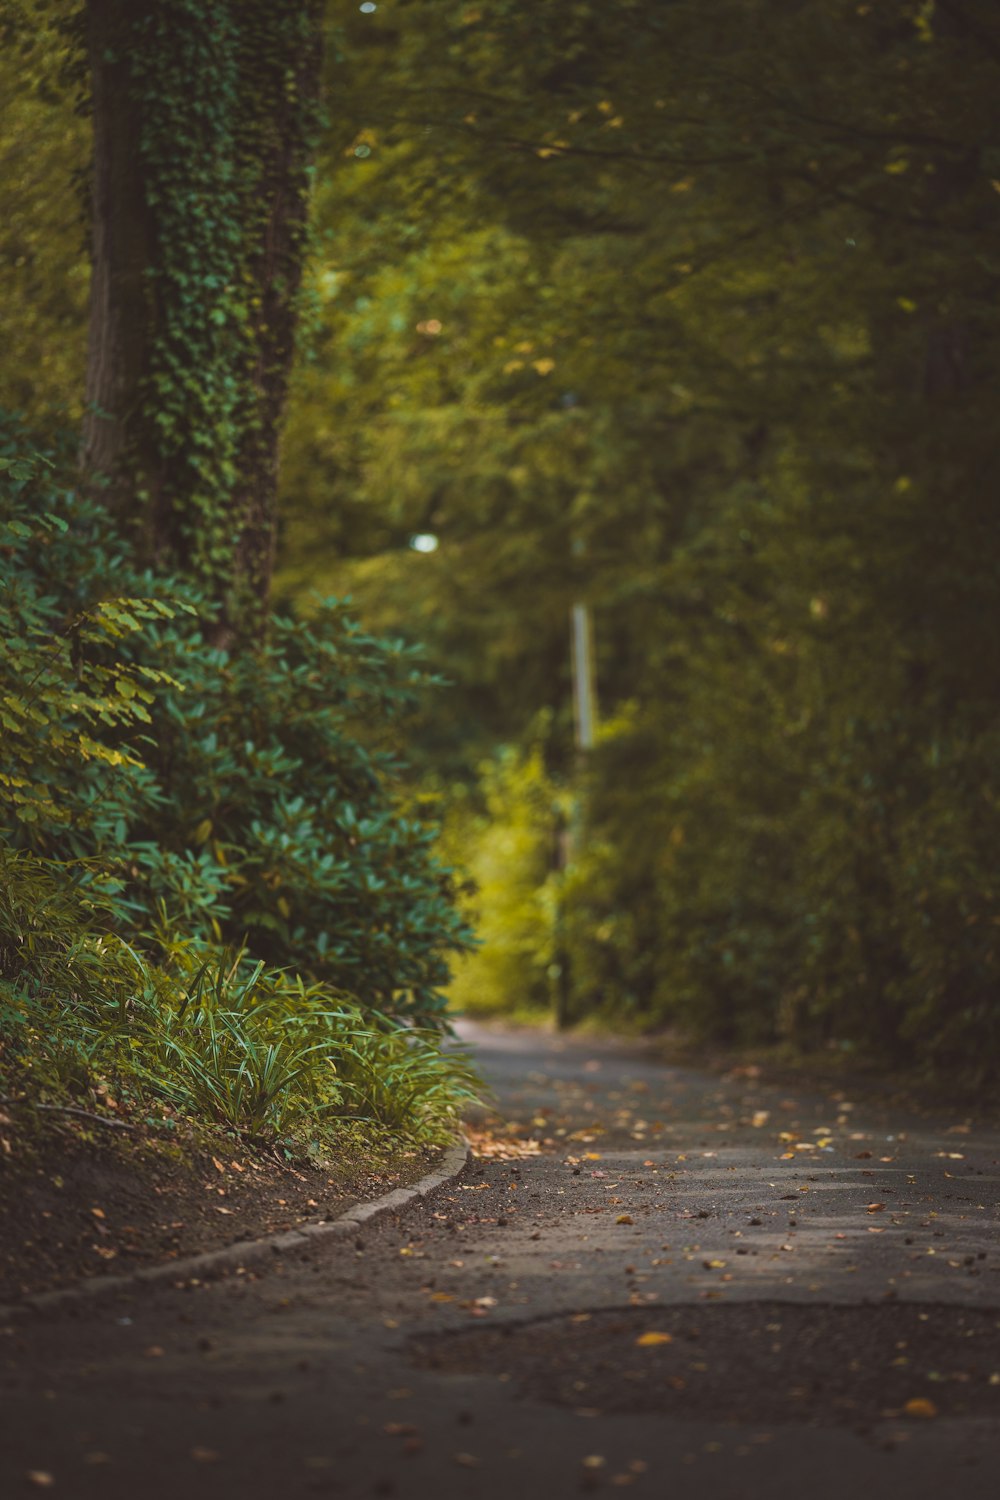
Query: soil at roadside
(79, 1200)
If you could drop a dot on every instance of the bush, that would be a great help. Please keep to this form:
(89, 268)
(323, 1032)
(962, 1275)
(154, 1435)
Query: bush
(211, 888)
(212, 1035)
(255, 797)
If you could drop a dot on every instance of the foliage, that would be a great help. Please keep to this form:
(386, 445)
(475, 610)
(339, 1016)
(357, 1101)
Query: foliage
(43, 154)
(163, 800)
(249, 797)
(636, 305)
(508, 840)
(207, 1033)
(186, 775)
(221, 90)
(642, 309)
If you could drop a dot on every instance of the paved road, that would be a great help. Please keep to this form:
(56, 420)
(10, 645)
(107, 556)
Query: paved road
(701, 1286)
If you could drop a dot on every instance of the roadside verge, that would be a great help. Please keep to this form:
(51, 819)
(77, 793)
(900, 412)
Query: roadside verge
(246, 1252)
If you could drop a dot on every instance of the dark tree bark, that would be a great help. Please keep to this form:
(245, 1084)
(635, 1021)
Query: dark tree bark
(121, 250)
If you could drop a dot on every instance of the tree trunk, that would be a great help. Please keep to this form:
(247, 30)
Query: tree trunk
(204, 112)
(122, 248)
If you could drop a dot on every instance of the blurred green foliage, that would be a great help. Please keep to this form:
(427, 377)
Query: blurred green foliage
(688, 312)
(506, 837)
(44, 146)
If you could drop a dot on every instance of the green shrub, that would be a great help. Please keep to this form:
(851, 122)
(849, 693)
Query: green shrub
(212, 1034)
(252, 797)
(211, 891)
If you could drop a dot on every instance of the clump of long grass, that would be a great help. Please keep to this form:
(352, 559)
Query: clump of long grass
(209, 1031)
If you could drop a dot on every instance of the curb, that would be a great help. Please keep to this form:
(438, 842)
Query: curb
(229, 1257)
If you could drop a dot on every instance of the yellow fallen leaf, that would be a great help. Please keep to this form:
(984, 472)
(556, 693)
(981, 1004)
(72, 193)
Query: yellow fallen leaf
(624, 1219)
(651, 1339)
(919, 1406)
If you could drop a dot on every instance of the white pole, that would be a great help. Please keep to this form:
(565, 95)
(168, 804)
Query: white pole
(584, 693)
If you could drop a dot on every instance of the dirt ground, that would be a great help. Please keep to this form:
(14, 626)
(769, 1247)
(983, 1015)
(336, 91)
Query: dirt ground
(80, 1199)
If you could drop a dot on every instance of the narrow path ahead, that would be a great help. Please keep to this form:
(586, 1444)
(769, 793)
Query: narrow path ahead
(700, 1286)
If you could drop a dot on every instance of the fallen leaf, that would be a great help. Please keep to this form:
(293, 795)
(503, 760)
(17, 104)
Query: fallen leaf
(624, 1219)
(652, 1338)
(875, 1208)
(496, 1148)
(594, 1461)
(919, 1406)
(40, 1478)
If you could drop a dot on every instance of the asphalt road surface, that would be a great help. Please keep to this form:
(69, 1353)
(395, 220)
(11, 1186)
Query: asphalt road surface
(698, 1286)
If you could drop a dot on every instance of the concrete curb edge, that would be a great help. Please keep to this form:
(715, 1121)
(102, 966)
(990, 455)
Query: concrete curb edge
(246, 1252)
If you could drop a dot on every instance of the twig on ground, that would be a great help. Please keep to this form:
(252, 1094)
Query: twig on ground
(73, 1109)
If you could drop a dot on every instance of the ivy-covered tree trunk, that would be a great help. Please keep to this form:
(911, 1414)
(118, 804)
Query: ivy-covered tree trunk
(204, 115)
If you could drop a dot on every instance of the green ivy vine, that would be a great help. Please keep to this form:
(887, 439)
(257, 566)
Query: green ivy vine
(226, 119)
